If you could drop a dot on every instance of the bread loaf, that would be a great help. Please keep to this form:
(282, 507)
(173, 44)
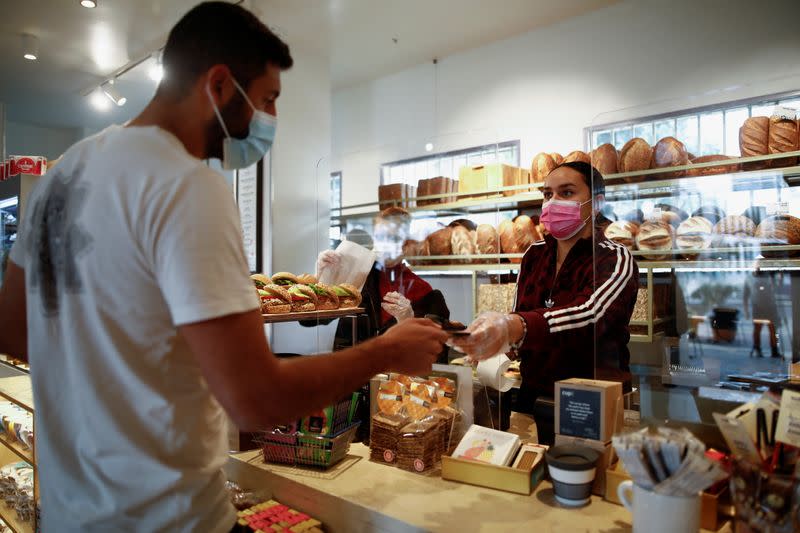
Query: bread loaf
(412, 248)
(578, 155)
(635, 155)
(623, 232)
(694, 233)
(655, 237)
(487, 241)
(392, 195)
(557, 158)
(461, 242)
(634, 215)
(525, 232)
(604, 159)
(541, 166)
(508, 243)
(670, 152)
(439, 243)
(707, 171)
(783, 137)
(754, 140)
(737, 225)
(424, 189)
(756, 213)
(672, 215)
(780, 230)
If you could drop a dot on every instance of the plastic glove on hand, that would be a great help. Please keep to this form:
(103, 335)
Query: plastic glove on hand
(327, 259)
(489, 336)
(398, 306)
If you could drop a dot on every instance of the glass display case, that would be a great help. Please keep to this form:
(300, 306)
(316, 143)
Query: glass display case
(712, 221)
(8, 230)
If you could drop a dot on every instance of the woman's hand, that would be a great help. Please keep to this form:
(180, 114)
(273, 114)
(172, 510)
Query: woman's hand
(327, 259)
(490, 335)
(398, 306)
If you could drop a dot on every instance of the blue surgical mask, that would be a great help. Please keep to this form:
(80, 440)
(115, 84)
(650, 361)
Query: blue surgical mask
(243, 153)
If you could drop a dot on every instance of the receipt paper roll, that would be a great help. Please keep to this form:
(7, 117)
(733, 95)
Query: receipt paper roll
(491, 373)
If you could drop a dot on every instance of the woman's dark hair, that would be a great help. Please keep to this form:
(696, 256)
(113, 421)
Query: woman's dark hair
(214, 33)
(594, 180)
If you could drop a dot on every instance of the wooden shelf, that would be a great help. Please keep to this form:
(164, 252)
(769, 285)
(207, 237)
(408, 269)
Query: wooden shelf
(18, 390)
(18, 449)
(310, 315)
(9, 516)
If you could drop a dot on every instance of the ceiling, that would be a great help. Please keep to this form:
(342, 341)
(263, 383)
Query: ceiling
(366, 39)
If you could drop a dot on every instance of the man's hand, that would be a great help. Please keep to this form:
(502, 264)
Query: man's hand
(412, 346)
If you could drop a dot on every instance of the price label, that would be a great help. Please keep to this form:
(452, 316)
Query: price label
(788, 430)
(784, 113)
(778, 209)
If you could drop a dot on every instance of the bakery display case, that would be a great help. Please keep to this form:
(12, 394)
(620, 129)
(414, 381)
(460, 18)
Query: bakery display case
(711, 213)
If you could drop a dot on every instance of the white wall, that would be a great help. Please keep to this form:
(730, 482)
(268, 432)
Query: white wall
(299, 196)
(30, 139)
(546, 86)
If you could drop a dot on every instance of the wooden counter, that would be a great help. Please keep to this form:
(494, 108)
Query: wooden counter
(358, 495)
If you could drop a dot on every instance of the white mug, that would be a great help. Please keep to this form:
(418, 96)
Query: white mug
(659, 513)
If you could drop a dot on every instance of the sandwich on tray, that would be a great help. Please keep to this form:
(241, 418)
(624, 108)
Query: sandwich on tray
(274, 300)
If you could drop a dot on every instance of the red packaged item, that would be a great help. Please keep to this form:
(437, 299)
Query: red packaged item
(35, 165)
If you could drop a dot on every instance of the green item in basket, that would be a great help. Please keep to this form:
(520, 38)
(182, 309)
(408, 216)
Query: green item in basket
(353, 405)
(319, 423)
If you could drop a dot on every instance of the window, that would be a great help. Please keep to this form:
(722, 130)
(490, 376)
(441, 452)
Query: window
(410, 171)
(706, 131)
(335, 232)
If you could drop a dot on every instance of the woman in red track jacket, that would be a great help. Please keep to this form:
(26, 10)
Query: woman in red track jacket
(575, 295)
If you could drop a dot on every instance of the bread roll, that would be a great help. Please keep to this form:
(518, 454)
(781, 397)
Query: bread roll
(623, 232)
(707, 171)
(694, 233)
(464, 222)
(541, 166)
(670, 152)
(604, 159)
(754, 140)
(578, 155)
(439, 243)
(635, 155)
(779, 230)
(655, 237)
(672, 215)
(525, 232)
(557, 158)
(487, 241)
(711, 213)
(783, 137)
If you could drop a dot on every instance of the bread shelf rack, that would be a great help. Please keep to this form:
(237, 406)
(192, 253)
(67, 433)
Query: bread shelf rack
(640, 183)
(18, 390)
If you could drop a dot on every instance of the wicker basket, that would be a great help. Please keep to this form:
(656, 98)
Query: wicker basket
(310, 450)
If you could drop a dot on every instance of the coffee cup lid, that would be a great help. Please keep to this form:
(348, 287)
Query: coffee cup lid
(572, 457)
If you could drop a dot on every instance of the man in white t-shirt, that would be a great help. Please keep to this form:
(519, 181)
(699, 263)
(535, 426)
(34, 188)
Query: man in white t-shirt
(128, 291)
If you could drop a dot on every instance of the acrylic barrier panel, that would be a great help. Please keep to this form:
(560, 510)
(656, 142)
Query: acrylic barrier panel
(448, 220)
(706, 202)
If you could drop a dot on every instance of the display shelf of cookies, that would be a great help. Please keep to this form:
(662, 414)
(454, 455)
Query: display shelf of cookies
(13, 522)
(286, 297)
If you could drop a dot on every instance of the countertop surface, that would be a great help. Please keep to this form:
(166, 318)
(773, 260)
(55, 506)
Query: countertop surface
(389, 499)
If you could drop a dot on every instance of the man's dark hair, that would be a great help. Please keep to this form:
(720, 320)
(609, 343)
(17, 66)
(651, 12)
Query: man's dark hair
(214, 33)
(594, 180)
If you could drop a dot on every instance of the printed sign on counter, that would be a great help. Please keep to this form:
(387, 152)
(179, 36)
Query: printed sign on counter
(588, 408)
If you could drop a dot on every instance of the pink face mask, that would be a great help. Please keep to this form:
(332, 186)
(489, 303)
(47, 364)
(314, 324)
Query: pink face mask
(562, 218)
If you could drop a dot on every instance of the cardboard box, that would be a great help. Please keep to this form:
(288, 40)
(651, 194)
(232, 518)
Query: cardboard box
(588, 408)
(34, 165)
(494, 477)
(607, 458)
(486, 179)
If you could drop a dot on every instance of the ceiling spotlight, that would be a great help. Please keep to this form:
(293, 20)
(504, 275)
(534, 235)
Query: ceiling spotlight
(429, 147)
(89, 4)
(30, 47)
(99, 101)
(113, 94)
